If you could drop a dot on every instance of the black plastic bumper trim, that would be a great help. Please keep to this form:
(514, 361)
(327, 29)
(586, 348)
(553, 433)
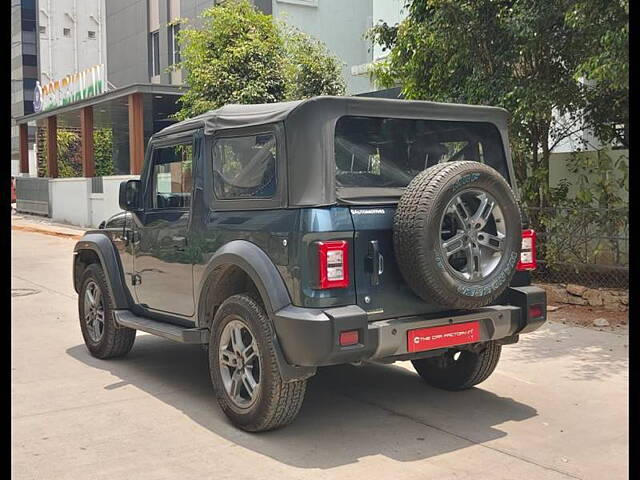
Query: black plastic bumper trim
(309, 337)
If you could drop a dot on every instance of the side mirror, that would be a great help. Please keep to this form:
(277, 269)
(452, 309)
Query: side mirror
(130, 195)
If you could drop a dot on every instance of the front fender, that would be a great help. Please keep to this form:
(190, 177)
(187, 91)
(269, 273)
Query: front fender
(101, 245)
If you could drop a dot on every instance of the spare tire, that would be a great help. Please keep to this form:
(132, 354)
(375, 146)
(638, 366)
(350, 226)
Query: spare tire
(457, 234)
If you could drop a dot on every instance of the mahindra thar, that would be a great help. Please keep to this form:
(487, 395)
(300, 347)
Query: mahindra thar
(289, 236)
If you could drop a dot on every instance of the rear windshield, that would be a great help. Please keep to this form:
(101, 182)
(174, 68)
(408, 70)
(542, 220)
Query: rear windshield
(386, 153)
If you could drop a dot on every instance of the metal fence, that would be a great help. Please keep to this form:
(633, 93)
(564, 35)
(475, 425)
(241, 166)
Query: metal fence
(32, 195)
(586, 246)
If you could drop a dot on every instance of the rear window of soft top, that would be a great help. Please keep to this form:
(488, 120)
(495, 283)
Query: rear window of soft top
(377, 152)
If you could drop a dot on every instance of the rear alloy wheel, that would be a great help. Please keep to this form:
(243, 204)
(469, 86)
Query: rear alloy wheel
(459, 369)
(239, 360)
(244, 370)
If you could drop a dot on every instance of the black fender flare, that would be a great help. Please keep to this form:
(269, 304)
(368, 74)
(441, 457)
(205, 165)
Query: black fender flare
(257, 265)
(102, 246)
(271, 287)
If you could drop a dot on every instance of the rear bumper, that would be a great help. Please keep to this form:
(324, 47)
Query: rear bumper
(310, 337)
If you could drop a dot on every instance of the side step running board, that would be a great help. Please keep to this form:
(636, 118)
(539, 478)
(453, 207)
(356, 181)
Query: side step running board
(161, 329)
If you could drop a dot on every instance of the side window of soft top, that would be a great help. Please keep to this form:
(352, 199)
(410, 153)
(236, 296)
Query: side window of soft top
(171, 176)
(245, 166)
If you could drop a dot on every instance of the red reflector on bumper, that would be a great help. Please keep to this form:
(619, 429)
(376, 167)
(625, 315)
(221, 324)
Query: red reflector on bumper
(536, 311)
(349, 337)
(445, 336)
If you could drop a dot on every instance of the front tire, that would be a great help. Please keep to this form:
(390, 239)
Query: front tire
(102, 336)
(244, 370)
(459, 370)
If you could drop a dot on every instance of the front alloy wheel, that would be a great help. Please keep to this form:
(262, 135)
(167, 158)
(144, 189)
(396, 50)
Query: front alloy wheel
(94, 311)
(102, 336)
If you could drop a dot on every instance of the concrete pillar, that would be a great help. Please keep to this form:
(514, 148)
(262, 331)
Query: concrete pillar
(52, 146)
(86, 132)
(24, 147)
(136, 134)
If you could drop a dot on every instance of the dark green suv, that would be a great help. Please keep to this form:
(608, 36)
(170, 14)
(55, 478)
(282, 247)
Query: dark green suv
(290, 236)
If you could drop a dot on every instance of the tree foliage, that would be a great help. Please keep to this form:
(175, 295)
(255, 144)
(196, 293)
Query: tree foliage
(604, 26)
(590, 225)
(310, 68)
(527, 56)
(237, 54)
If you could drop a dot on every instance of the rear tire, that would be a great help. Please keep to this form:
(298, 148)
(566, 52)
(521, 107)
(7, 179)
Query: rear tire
(103, 337)
(469, 369)
(244, 372)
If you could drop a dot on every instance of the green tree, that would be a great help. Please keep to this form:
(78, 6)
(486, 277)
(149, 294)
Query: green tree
(604, 26)
(237, 54)
(524, 55)
(310, 68)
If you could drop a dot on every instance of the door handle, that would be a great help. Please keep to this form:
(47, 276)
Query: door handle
(180, 243)
(377, 262)
(129, 236)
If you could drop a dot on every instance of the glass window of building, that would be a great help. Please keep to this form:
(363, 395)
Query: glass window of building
(174, 46)
(155, 53)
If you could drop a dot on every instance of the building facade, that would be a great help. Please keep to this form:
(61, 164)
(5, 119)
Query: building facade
(24, 71)
(341, 26)
(71, 36)
(141, 42)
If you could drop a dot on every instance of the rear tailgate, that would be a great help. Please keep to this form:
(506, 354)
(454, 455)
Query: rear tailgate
(380, 288)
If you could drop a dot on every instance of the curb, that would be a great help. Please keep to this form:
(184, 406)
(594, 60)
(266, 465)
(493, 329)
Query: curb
(53, 233)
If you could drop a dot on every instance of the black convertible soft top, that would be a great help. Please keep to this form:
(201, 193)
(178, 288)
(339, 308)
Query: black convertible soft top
(309, 129)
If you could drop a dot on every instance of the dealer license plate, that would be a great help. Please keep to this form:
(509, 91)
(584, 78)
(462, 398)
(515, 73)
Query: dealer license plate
(422, 339)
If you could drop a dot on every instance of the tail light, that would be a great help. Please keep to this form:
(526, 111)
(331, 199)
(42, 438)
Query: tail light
(536, 311)
(333, 260)
(527, 251)
(349, 337)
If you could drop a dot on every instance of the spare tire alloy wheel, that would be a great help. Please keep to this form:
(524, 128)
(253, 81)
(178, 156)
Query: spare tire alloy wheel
(472, 244)
(457, 234)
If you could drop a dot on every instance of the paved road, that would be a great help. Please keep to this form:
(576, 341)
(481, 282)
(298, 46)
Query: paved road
(555, 408)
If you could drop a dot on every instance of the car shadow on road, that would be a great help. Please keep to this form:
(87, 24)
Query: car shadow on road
(349, 412)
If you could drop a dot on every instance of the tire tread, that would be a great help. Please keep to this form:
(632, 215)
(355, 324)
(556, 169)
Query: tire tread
(464, 377)
(284, 399)
(415, 210)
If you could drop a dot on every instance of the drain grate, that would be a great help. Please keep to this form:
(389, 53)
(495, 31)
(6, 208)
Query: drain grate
(23, 292)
